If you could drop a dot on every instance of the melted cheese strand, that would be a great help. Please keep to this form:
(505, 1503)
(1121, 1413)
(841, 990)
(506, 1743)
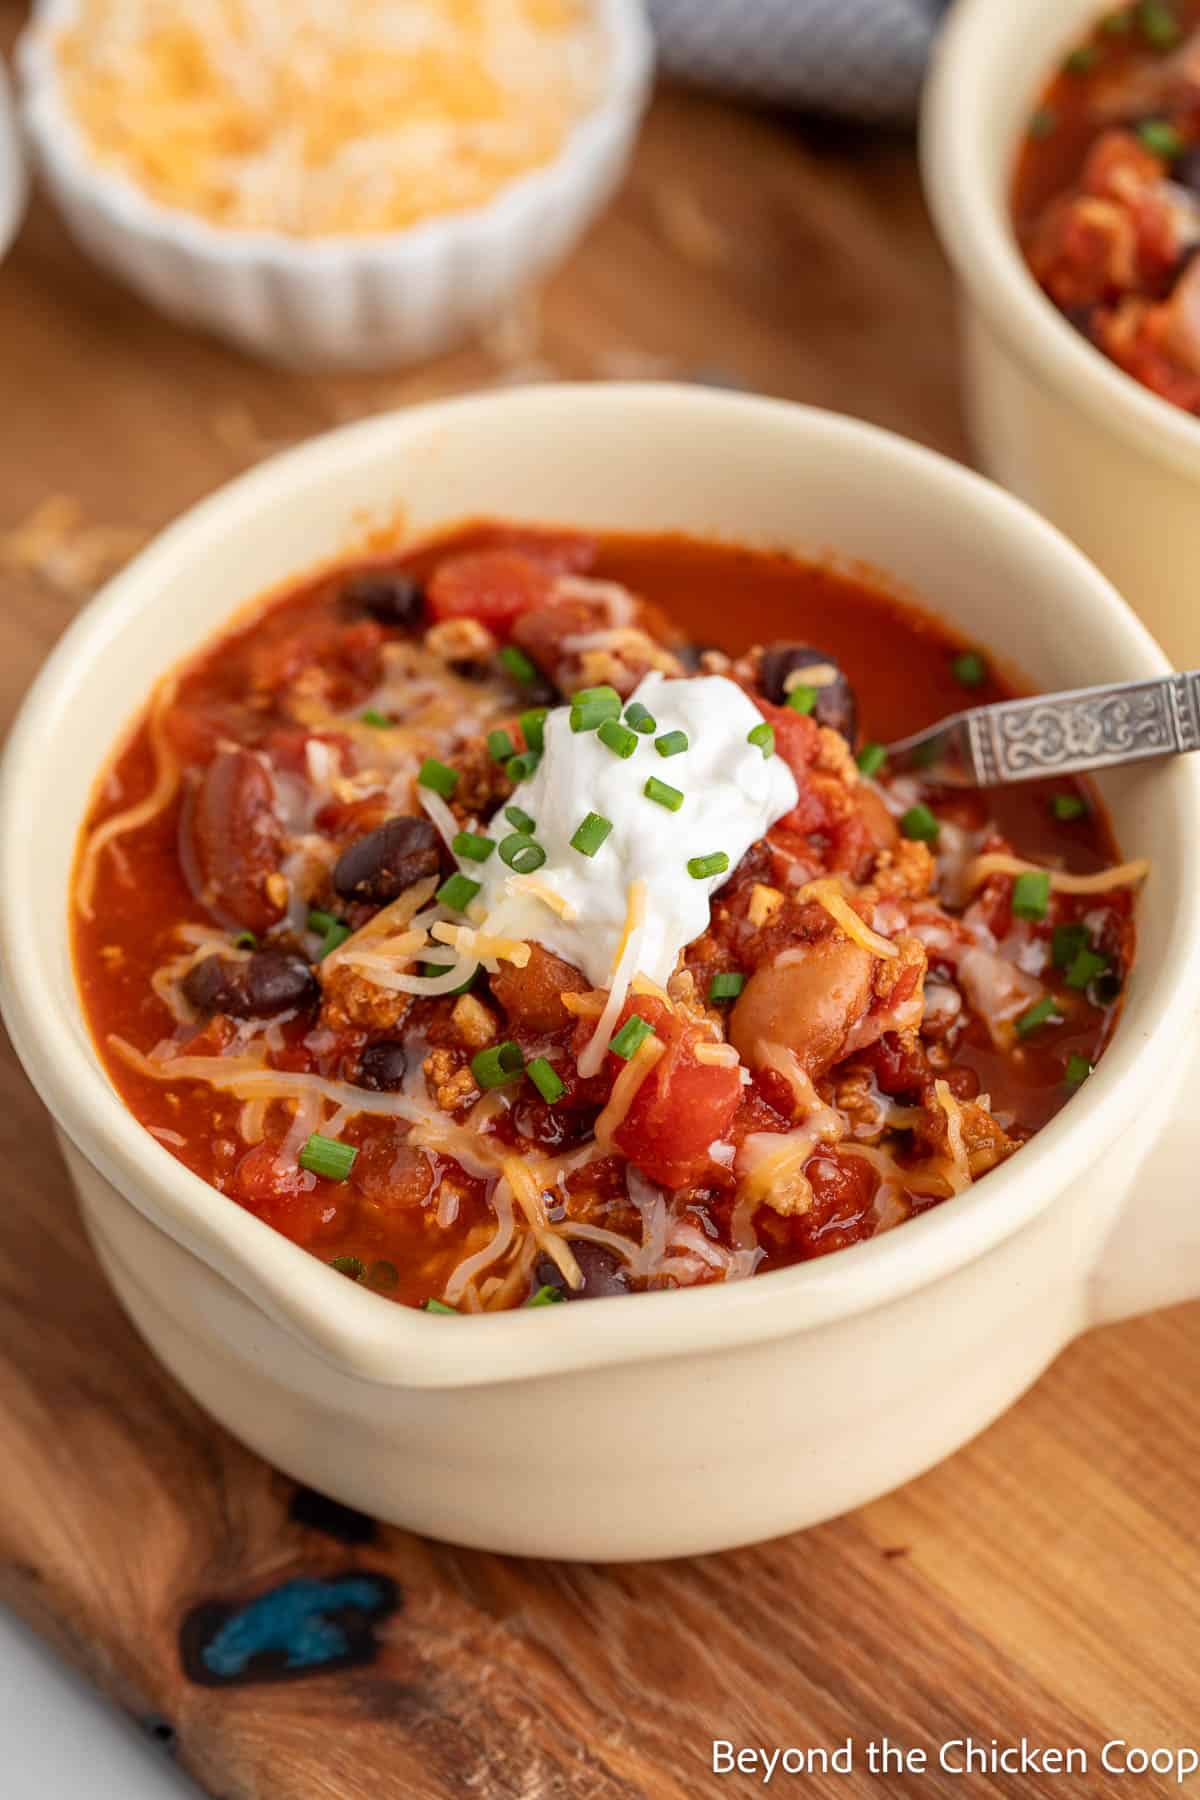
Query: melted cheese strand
(166, 784)
(996, 862)
(828, 893)
(625, 1087)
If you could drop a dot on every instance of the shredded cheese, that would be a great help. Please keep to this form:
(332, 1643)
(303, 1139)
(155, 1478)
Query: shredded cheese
(540, 890)
(996, 862)
(481, 945)
(828, 893)
(624, 966)
(163, 791)
(717, 1056)
(648, 1053)
(959, 1172)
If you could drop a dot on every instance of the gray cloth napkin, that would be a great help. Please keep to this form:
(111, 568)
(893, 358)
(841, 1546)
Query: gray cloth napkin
(861, 58)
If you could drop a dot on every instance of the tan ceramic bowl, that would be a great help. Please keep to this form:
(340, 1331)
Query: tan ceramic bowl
(658, 1424)
(1103, 458)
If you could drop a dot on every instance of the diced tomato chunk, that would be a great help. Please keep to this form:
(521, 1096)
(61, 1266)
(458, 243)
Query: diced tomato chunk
(493, 586)
(287, 1197)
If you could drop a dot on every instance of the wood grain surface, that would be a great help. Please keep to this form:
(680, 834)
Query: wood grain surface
(1043, 1584)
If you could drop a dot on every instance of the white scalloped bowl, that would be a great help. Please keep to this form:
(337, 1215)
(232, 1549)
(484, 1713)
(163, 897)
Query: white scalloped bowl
(339, 302)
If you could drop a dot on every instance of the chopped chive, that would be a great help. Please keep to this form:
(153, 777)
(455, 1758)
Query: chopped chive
(763, 738)
(436, 775)
(320, 921)
(519, 852)
(520, 768)
(439, 1306)
(546, 1080)
(591, 706)
(500, 746)
(327, 1157)
(618, 738)
(871, 758)
(1116, 24)
(1043, 123)
(457, 892)
(662, 794)
(494, 1067)
(701, 867)
(802, 698)
(726, 986)
(919, 823)
(245, 940)
(591, 833)
(533, 728)
(1158, 24)
(1031, 894)
(1068, 806)
(633, 1032)
(1081, 60)
(546, 1296)
(472, 845)
(1160, 138)
(514, 662)
(1077, 1071)
(332, 931)
(383, 1274)
(1040, 1013)
(584, 696)
(970, 669)
(1065, 944)
(1085, 966)
(521, 820)
(643, 721)
(671, 743)
(434, 969)
(373, 716)
(349, 1265)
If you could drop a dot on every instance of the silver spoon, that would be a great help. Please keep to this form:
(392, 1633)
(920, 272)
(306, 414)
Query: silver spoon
(1057, 734)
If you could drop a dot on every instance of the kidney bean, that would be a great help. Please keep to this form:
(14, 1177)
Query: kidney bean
(380, 866)
(835, 705)
(388, 595)
(381, 1067)
(602, 1269)
(269, 982)
(231, 839)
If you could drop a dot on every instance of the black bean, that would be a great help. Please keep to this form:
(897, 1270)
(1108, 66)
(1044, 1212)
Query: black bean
(603, 1273)
(1186, 168)
(388, 595)
(381, 1067)
(269, 982)
(835, 705)
(381, 865)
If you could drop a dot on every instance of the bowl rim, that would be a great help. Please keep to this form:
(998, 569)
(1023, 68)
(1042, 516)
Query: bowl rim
(969, 76)
(367, 1336)
(118, 199)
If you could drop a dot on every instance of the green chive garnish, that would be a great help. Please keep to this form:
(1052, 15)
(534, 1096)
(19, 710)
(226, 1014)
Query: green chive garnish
(1038, 1014)
(520, 768)
(701, 867)
(1085, 966)
(871, 758)
(763, 738)
(618, 738)
(969, 670)
(1068, 806)
(545, 1080)
(633, 1032)
(671, 743)
(1160, 139)
(1158, 24)
(802, 698)
(726, 986)
(500, 746)
(1116, 24)
(436, 775)
(1081, 60)
(1077, 1071)
(533, 728)
(514, 662)
(457, 892)
(591, 834)
(327, 1157)
(332, 931)
(246, 940)
(473, 846)
(349, 1265)
(1066, 943)
(591, 706)
(546, 1296)
(497, 1066)
(919, 823)
(663, 795)
(1031, 894)
(521, 820)
(431, 970)
(373, 716)
(520, 852)
(1043, 123)
(643, 722)
(439, 1306)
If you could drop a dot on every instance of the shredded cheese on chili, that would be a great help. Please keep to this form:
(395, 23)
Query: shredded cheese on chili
(997, 862)
(828, 893)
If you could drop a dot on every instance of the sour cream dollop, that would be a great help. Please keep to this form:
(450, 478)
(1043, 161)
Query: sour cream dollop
(732, 794)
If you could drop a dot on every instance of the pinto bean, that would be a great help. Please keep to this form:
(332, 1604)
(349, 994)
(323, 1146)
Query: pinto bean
(269, 982)
(602, 1270)
(388, 596)
(381, 1067)
(835, 704)
(809, 1006)
(379, 867)
(532, 996)
(231, 839)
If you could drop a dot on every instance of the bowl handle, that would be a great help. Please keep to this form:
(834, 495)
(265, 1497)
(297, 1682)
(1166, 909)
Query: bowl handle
(1152, 1255)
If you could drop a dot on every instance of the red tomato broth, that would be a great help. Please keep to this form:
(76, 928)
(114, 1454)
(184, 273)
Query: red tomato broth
(404, 1220)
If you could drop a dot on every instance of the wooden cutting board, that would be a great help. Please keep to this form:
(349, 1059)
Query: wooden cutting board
(1045, 1583)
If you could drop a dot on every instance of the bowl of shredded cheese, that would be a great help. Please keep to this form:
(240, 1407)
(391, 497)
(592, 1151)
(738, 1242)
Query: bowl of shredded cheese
(357, 186)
